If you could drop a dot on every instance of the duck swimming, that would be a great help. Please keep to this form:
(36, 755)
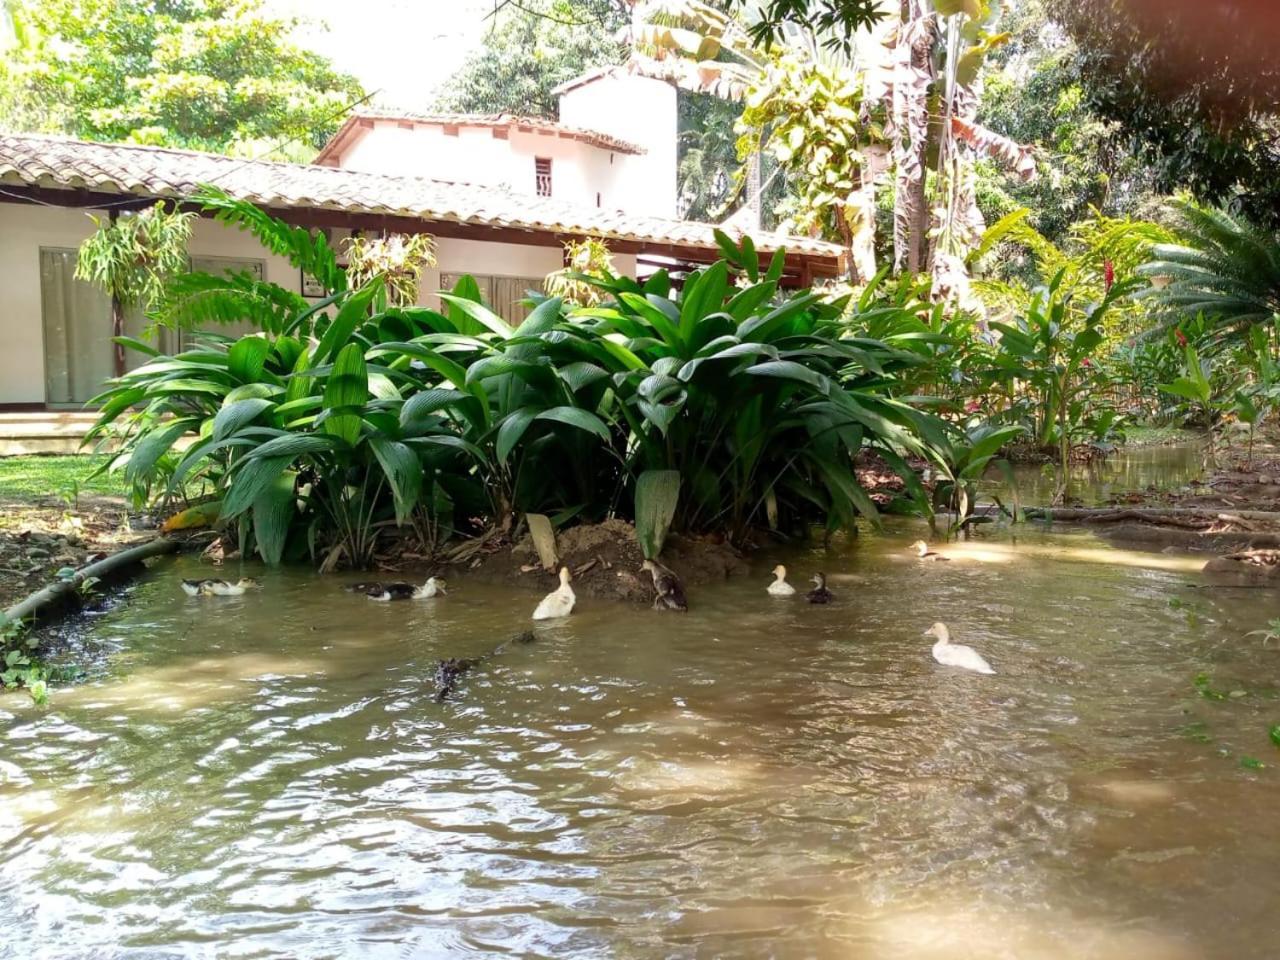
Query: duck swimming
(924, 553)
(559, 602)
(820, 593)
(780, 587)
(218, 588)
(669, 589)
(399, 590)
(955, 654)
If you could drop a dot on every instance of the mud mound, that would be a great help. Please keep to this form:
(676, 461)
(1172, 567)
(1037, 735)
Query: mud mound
(605, 560)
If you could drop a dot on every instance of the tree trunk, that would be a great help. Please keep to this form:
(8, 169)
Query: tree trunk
(913, 73)
(117, 330)
(117, 322)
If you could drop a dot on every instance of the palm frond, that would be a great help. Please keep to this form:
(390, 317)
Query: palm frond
(1219, 265)
(306, 250)
(195, 300)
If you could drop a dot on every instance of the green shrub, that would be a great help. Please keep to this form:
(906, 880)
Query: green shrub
(349, 417)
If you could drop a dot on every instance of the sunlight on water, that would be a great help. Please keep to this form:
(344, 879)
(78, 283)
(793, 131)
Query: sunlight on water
(269, 776)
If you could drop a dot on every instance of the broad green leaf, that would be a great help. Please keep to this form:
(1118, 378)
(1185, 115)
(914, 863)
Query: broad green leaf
(703, 296)
(574, 417)
(422, 405)
(250, 481)
(1182, 387)
(790, 370)
(512, 429)
(354, 311)
(299, 385)
(346, 388)
(237, 414)
(247, 391)
(247, 358)
(273, 512)
(657, 495)
(144, 456)
(666, 329)
(403, 472)
(294, 445)
(480, 314)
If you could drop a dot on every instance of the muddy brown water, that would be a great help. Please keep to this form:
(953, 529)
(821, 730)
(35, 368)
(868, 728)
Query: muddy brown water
(268, 776)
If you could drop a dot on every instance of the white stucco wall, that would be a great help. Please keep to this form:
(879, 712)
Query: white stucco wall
(635, 109)
(642, 111)
(474, 155)
(24, 229)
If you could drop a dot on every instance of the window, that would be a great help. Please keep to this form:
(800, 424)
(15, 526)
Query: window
(542, 175)
(503, 294)
(78, 353)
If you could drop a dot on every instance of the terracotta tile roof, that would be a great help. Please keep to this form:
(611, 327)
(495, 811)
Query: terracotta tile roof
(502, 121)
(58, 163)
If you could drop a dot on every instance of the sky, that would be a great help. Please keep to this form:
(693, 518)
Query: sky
(405, 49)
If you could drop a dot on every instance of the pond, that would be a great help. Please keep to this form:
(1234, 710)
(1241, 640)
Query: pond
(269, 776)
(1155, 467)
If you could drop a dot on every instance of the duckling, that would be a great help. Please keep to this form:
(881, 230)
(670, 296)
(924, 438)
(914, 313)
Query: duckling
(559, 602)
(399, 590)
(820, 593)
(218, 588)
(924, 553)
(955, 654)
(669, 589)
(780, 587)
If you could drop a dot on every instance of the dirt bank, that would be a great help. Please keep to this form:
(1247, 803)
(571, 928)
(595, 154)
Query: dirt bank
(39, 536)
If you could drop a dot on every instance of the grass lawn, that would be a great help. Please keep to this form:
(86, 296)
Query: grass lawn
(29, 477)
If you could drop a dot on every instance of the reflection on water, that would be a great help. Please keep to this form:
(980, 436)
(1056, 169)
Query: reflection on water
(1162, 467)
(268, 776)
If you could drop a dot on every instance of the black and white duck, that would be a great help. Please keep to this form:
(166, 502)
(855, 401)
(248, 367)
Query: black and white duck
(218, 588)
(820, 593)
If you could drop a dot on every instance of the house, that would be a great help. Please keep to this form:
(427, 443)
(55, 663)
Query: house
(501, 195)
(614, 147)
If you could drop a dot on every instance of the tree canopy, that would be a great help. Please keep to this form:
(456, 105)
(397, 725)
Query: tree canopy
(532, 49)
(204, 74)
(1195, 85)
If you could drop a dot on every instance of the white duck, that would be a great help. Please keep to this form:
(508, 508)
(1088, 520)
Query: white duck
(780, 587)
(559, 602)
(955, 654)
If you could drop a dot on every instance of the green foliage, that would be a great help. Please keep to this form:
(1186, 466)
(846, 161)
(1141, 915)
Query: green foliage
(354, 417)
(836, 20)
(819, 125)
(1220, 266)
(1034, 93)
(132, 256)
(532, 49)
(18, 668)
(708, 157)
(216, 75)
(1199, 106)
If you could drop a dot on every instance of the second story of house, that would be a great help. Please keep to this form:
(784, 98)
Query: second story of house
(614, 147)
